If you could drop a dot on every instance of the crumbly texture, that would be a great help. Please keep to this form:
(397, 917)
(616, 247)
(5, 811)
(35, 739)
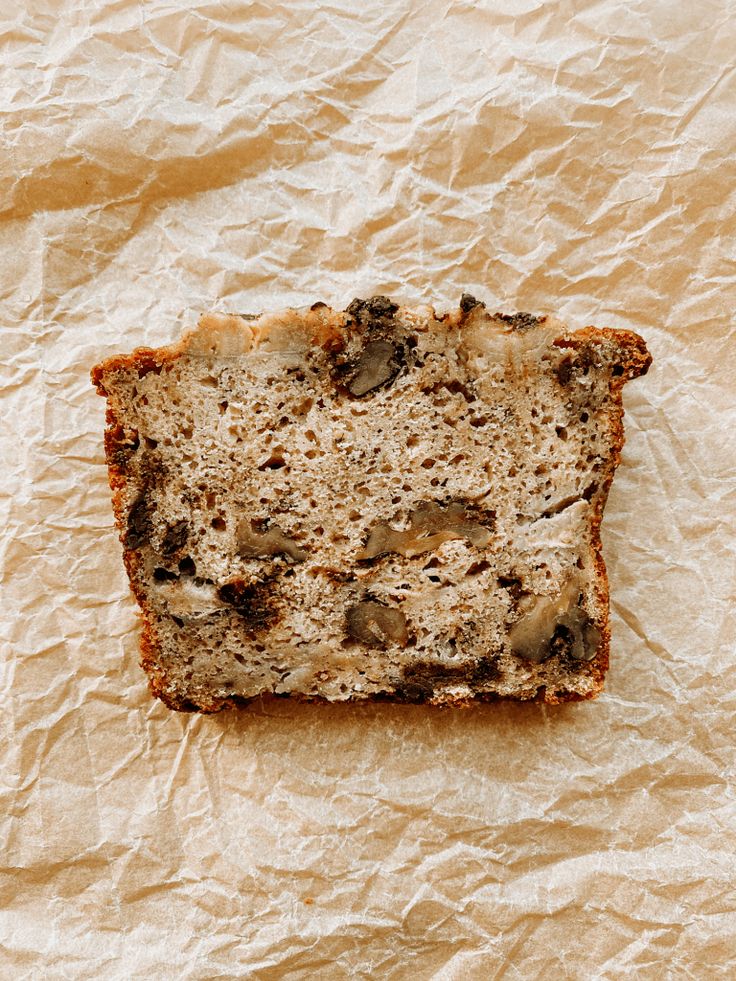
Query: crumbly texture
(376, 503)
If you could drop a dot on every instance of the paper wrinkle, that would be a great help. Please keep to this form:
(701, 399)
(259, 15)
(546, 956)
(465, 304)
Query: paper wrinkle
(162, 161)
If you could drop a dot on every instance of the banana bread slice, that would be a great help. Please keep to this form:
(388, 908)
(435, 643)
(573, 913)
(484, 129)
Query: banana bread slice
(379, 503)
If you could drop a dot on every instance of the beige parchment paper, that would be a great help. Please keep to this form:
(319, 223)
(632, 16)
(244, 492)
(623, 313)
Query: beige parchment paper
(162, 159)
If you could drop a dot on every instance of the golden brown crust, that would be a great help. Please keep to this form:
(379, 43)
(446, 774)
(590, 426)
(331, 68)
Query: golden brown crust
(319, 325)
(142, 360)
(635, 362)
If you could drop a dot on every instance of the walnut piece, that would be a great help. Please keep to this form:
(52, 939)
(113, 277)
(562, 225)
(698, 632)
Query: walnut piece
(429, 527)
(374, 624)
(377, 364)
(255, 541)
(550, 625)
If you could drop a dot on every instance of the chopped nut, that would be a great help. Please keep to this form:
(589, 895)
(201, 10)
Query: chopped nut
(519, 321)
(429, 527)
(468, 302)
(377, 364)
(374, 624)
(591, 641)
(254, 543)
(554, 626)
(377, 309)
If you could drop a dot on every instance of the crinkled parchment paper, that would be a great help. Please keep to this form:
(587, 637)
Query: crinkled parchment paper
(162, 159)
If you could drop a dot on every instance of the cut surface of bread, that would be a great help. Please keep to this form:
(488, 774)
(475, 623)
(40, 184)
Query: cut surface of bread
(376, 503)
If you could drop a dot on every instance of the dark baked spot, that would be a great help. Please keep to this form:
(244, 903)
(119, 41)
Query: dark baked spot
(478, 512)
(175, 537)
(383, 696)
(152, 470)
(618, 370)
(435, 672)
(255, 602)
(163, 575)
(140, 524)
(319, 305)
(336, 576)
(414, 691)
(519, 321)
(570, 367)
(422, 679)
(563, 371)
(120, 445)
(585, 359)
(468, 302)
(486, 669)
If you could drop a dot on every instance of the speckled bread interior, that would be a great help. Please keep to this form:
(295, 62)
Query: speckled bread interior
(377, 503)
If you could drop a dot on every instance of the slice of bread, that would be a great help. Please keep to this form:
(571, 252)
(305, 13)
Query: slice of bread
(380, 503)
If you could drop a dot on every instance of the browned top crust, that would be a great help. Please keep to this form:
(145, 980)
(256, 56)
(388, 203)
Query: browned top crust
(232, 335)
